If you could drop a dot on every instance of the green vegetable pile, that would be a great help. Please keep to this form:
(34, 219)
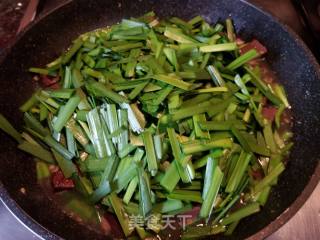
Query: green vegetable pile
(155, 117)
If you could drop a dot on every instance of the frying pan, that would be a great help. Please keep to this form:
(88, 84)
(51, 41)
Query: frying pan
(44, 40)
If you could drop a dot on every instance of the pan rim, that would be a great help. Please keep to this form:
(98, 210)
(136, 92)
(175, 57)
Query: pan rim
(41, 232)
(314, 180)
(24, 218)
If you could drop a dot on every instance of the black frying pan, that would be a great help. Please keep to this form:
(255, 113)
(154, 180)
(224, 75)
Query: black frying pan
(293, 63)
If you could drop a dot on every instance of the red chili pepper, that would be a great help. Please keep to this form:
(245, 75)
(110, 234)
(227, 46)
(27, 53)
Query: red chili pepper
(59, 182)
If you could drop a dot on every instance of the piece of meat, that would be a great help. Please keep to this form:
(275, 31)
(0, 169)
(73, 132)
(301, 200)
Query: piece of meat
(105, 226)
(111, 225)
(254, 44)
(190, 216)
(240, 42)
(48, 81)
(267, 75)
(55, 86)
(264, 101)
(256, 174)
(59, 182)
(53, 168)
(269, 113)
